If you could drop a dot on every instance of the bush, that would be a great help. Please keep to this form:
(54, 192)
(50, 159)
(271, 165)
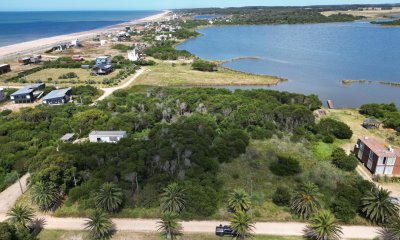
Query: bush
(68, 75)
(285, 166)
(122, 47)
(205, 66)
(329, 126)
(281, 196)
(343, 161)
(343, 210)
(5, 112)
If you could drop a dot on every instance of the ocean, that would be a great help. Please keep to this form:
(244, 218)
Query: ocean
(17, 27)
(314, 57)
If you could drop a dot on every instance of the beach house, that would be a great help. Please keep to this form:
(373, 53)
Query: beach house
(76, 43)
(378, 157)
(58, 97)
(28, 94)
(106, 136)
(133, 55)
(103, 65)
(5, 68)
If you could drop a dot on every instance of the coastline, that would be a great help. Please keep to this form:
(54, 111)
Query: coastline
(15, 50)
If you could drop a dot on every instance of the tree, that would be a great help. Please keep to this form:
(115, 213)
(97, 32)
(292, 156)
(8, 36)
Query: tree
(378, 206)
(281, 196)
(305, 201)
(21, 215)
(242, 224)
(99, 225)
(323, 227)
(169, 225)
(173, 198)
(109, 197)
(46, 196)
(391, 231)
(343, 161)
(239, 200)
(285, 166)
(328, 126)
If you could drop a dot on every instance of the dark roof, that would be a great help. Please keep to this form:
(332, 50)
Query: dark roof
(371, 121)
(60, 93)
(27, 89)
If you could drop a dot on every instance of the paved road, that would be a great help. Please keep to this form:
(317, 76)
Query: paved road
(11, 194)
(109, 91)
(262, 228)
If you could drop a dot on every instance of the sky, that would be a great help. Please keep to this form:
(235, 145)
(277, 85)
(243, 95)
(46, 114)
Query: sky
(48, 5)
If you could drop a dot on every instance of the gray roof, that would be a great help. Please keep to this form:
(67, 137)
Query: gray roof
(60, 93)
(67, 136)
(371, 121)
(27, 89)
(108, 133)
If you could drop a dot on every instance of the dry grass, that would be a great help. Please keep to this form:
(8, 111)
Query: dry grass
(170, 74)
(354, 119)
(371, 14)
(54, 73)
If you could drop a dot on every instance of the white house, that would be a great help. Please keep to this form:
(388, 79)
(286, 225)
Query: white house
(133, 55)
(76, 43)
(2, 95)
(106, 136)
(103, 42)
(161, 37)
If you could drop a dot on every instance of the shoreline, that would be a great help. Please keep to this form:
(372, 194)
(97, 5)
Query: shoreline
(24, 48)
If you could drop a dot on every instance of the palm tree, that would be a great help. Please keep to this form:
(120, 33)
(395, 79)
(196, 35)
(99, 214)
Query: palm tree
(45, 196)
(109, 197)
(21, 215)
(239, 200)
(169, 226)
(99, 225)
(173, 198)
(391, 231)
(323, 227)
(242, 224)
(379, 206)
(305, 201)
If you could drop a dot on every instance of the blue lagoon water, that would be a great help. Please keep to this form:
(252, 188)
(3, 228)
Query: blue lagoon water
(314, 57)
(16, 27)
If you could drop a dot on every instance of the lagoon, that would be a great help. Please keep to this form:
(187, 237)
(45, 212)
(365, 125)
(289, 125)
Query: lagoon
(314, 57)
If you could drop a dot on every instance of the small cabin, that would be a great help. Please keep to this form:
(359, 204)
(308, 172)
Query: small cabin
(58, 97)
(103, 59)
(5, 68)
(370, 123)
(28, 94)
(2, 94)
(102, 69)
(106, 136)
(69, 137)
(25, 60)
(330, 104)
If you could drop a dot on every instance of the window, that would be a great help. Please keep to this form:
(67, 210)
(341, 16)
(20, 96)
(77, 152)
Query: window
(384, 160)
(371, 155)
(98, 139)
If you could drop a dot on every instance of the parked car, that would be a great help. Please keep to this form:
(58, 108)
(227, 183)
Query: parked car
(223, 231)
(77, 58)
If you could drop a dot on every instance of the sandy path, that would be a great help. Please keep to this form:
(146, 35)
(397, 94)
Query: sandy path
(46, 43)
(109, 91)
(11, 194)
(262, 228)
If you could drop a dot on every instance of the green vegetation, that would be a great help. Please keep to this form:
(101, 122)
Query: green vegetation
(68, 75)
(243, 225)
(122, 47)
(391, 230)
(305, 201)
(323, 226)
(109, 197)
(343, 161)
(285, 166)
(21, 224)
(205, 66)
(173, 198)
(386, 112)
(169, 226)
(185, 33)
(329, 127)
(166, 51)
(99, 225)
(388, 23)
(239, 201)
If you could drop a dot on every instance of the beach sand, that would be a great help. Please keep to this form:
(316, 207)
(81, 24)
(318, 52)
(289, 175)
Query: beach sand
(39, 45)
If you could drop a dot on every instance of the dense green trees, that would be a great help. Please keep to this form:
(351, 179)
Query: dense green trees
(166, 51)
(329, 126)
(386, 112)
(243, 225)
(21, 216)
(378, 206)
(204, 66)
(323, 226)
(45, 195)
(343, 161)
(281, 196)
(285, 166)
(109, 197)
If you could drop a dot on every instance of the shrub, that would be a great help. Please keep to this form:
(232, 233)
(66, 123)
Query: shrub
(205, 66)
(343, 161)
(285, 166)
(338, 129)
(5, 112)
(122, 47)
(68, 75)
(343, 210)
(281, 196)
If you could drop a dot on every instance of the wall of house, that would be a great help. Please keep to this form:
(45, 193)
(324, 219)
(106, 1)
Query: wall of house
(25, 98)
(107, 139)
(55, 101)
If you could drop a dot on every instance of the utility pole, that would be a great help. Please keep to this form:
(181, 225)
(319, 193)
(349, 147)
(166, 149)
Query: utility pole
(20, 185)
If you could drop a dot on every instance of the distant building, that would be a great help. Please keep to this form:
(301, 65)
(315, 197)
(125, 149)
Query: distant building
(5, 68)
(24, 60)
(161, 37)
(379, 158)
(103, 42)
(371, 123)
(2, 94)
(58, 97)
(106, 136)
(102, 69)
(103, 60)
(76, 43)
(69, 137)
(133, 55)
(28, 94)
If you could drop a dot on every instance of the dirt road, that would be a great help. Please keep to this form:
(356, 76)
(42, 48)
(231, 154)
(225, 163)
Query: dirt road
(262, 228)
(109, 91)
(11, 194)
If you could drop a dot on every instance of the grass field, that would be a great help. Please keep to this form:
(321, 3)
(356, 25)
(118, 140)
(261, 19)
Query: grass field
(169, 74)
(79, 235)
(51, 76)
